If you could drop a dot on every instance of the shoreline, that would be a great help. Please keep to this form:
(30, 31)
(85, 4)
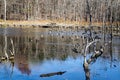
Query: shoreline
(48, 23)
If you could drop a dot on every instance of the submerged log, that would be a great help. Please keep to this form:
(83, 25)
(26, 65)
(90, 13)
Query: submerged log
(52, 74)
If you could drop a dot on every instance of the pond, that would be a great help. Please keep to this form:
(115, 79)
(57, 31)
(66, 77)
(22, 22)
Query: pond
(56, 54)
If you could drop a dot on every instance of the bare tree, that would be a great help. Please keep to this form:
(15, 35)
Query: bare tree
(74, 10)
(5, 10)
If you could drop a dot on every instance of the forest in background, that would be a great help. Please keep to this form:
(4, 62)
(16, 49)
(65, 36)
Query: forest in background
(72, 10)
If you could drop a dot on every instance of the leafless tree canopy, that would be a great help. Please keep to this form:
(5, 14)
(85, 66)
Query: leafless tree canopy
(73, 10)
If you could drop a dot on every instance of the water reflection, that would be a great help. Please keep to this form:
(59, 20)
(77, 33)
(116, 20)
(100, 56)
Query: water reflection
(41, 51)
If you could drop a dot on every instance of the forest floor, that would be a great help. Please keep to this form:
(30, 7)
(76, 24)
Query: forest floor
(15, 23)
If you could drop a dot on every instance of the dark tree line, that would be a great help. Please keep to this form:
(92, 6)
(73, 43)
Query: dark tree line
(73, 10)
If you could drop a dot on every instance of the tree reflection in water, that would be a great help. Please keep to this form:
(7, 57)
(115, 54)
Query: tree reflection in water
(49, 47)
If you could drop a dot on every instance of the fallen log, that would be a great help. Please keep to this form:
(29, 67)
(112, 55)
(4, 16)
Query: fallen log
(52, 74)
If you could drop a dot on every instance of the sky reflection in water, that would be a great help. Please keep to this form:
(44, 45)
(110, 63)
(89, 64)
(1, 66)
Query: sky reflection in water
(37, 55)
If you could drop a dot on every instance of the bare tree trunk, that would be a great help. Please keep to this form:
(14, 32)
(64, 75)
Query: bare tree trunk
(103, 27)
(28, 10)
(88, 12)
(4, 10)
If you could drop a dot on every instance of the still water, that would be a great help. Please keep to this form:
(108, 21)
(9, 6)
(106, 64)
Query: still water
(40, 51)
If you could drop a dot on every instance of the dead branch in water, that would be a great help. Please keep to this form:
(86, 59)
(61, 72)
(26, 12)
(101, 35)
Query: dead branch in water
(52, 74)
(13, 49)
(5, 48)
(6, 57)
(93, 58)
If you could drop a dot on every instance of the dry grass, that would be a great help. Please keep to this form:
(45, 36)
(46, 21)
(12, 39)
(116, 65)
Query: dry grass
(58, 22)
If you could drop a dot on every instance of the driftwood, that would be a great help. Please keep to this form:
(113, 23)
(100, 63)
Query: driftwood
(52, 74)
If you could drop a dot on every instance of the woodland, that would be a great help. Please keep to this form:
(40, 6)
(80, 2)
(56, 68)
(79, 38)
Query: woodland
(72, 10)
